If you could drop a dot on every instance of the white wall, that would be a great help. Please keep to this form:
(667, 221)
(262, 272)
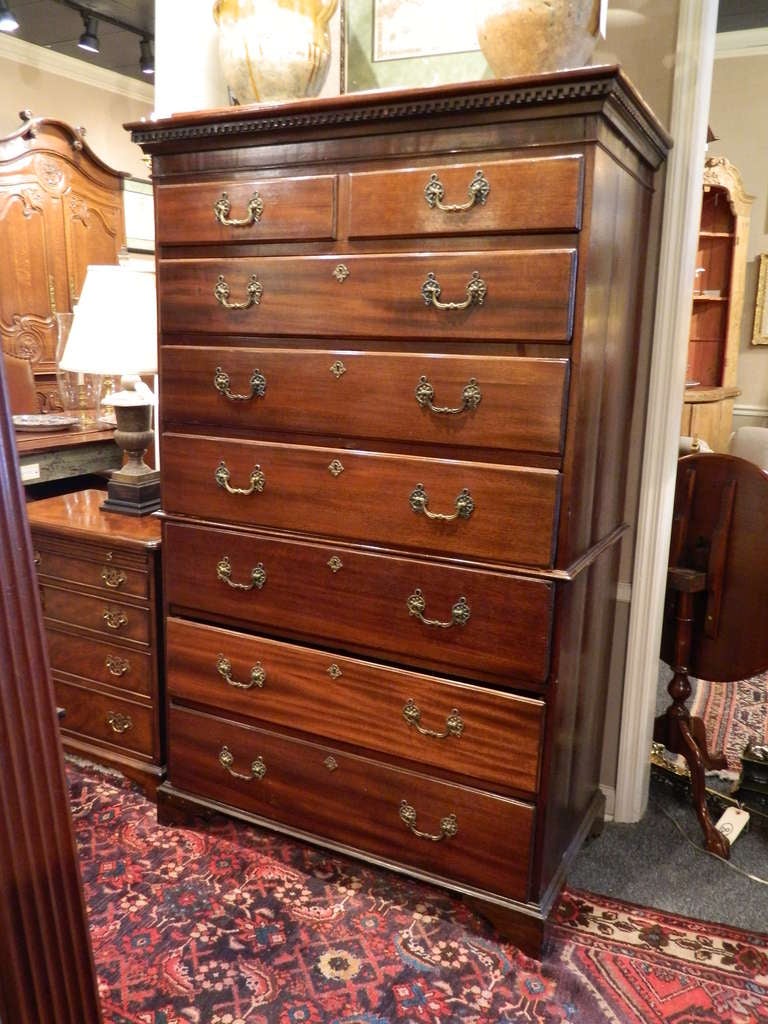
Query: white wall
(53, 85)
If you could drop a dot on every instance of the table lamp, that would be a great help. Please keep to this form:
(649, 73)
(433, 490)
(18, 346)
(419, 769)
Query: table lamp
(114, 333)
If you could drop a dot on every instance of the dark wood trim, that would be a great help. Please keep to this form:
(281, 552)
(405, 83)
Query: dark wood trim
(46, 965)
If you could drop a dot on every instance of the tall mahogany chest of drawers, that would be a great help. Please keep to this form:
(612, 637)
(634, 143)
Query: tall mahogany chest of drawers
(399, 347)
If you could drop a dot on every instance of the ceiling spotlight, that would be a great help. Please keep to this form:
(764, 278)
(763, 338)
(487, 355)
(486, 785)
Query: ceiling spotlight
(147, 60)
(8, 22)
(89, 40)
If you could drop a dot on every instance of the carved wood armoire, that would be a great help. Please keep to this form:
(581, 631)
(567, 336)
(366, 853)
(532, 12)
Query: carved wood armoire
(61, 208)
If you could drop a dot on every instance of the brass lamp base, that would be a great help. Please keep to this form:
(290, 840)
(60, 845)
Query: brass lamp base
(133, 490)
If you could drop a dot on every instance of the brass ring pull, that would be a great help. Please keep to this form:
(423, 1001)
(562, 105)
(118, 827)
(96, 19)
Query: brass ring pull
(258, 768)
(256, 486)
(476, 292)
(460, 612)
(224, 668)
(118, 722)
(465, 505)
(470, 397)
(224, 573)
(113, 619)
(448, 825)
(477, 190)
(257, 384)
(113, 577)
(254, 291)
(454, 723)
(116, 666)
(223, 207)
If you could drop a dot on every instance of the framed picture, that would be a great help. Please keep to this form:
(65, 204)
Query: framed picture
(760, 328)
(392, 44)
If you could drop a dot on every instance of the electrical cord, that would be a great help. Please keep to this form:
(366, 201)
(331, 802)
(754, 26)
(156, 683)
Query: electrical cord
(727, 863)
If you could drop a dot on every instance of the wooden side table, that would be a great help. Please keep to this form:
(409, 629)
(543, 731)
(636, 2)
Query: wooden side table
(99, 576)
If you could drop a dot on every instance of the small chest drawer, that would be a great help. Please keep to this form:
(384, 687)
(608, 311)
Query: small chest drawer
(482, 511)
(464, 730)
(99, 661)
(466, 835)
(508, 403)
(491, 625)
(247, 210)
(99, 716)
(100, 614)
(110, 570)
(543, 194)
(525, 295)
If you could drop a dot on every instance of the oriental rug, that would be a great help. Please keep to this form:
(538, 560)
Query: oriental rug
(227, 924)
(734, 714)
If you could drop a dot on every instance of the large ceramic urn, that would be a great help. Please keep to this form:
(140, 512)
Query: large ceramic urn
(527, 37)
(274, 50)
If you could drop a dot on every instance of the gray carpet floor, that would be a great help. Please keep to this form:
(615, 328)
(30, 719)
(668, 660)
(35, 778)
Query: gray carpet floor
(652, 864)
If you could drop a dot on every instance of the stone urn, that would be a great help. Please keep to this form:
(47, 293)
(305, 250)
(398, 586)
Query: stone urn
(274, 50)
(528, 37)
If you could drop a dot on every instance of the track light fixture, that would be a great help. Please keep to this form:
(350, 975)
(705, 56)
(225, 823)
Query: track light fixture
(89, 40)
(147, 58)
(8, 22)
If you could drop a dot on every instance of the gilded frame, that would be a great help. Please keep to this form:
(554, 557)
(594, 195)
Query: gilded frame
(760, 327)
(362, 73)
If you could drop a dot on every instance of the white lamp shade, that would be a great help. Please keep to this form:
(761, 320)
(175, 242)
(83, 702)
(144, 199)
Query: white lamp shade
(114, 330)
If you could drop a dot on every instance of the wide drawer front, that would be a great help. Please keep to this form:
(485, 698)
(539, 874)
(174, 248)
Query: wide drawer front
(97, 613)
(467, 835)
(455, 508)
(99, 661)
(526, 295)
(247, 210)
(488, 625)
(105, 718)
(461, 729)
(106, 573)
(508, 403)
(543, 194)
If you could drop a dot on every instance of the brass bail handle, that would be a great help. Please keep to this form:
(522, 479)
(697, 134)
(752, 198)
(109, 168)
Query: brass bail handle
(224, 574)
(256, 486)
(257, 383)
(254, 290)
(464, 504)
(476, 292)
(478, 190)
(449, 826)
(224, 668)
(460, 612)
(471, 397)
(258, 767)
(253, 211)
(454, 723)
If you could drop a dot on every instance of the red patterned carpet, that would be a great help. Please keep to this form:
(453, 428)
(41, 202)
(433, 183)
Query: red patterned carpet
(232, 925)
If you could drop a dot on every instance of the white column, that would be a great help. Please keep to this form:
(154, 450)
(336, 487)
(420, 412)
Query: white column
(694, 60)
(187, 72)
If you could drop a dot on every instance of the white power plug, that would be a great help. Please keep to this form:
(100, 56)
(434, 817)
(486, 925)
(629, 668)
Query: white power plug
(732, 823)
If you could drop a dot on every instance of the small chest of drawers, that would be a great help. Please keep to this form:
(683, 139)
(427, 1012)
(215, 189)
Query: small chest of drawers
(398, 359)
(99, 578)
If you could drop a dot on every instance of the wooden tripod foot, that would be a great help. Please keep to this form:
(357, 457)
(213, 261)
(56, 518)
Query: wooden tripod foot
(715, 841)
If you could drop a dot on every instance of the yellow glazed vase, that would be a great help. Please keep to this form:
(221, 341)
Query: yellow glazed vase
(528, 37)
(274, 50)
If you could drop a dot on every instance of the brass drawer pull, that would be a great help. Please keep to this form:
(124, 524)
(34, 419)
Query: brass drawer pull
(476, 292)
(116, 666)
(224, 573)
(477, 190)
(223, 207)
(419, 500)
(257, 384)
(258, 768)
(448, 825)
(470, 397)
(113, 619)
(224, 668)
(256, 486)
(460, 612)
(113, 577)
(454, 723)
(254, 291)
(118, 722)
